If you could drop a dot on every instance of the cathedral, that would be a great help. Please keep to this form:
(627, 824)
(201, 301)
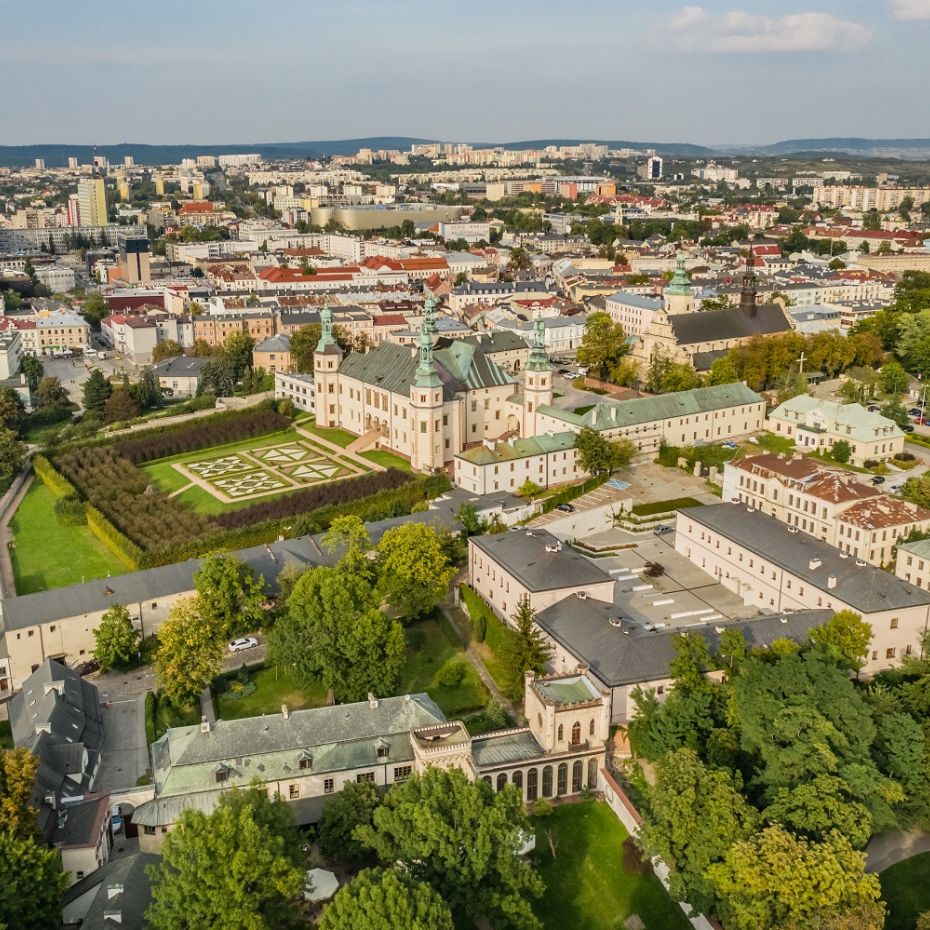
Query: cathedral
(426, 403)
(679, 332)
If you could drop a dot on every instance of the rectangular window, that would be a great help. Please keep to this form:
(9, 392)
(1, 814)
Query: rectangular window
(890, 652)
(149, 831)
(894, 623)
(329, 786)
(402, 772)
(365, 776)
(293, 791)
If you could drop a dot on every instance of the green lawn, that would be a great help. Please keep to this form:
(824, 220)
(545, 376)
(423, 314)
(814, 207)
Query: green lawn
(274, 688)
(431, 643)
(386, 459)
(772, 442)
(586, 884)
(48, 555)
(167, 716)
(340, 437)
(906, 890)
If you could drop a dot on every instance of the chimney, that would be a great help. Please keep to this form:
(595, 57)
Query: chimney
(285, 713)
(813, 563)
(372, 701)
(204, 725)
(831, 582)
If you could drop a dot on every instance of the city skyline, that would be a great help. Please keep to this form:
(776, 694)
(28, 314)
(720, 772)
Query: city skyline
(670, 72)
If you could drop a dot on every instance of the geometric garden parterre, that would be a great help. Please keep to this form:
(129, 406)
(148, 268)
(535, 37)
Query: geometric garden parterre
(242, 475)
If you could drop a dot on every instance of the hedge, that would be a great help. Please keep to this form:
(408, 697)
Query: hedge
(573, 492)
(52, 478)
(656, 507)
(483, 618)
(71, 511)
(119, 544)
(149, 717)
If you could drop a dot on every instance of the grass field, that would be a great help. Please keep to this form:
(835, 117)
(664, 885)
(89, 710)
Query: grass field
(166, 716)
(771, 442)
(906, 890)
(586, 884)
(386, 459)
(48, 555)
(339, 437)
(274, 688)
(430, 644)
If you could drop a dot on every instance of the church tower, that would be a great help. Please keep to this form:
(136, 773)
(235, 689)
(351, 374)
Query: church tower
(426, 447)
(429, 317)
(747, 299)
(326, 360)
(679, 296)
(537, 380)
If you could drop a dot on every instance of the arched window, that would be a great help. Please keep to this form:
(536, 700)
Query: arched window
(532, 777)
(547, 781)
(577, 776)
(576, 733)
(560, 733)
(591, 727)
(501, 781)
(561, 785)
(592, 774)
(517, 779)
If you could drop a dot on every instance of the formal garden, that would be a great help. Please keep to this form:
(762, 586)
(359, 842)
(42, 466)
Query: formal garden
(230, 480)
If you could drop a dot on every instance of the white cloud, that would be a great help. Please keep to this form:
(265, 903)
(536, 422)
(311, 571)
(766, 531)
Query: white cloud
(910, 9)
(694, 29)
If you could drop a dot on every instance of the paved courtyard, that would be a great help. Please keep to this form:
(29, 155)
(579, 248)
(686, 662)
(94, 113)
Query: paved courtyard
(125, 756)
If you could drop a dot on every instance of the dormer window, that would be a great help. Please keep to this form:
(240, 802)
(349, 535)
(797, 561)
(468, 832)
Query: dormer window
(305, 762)
(221, 773)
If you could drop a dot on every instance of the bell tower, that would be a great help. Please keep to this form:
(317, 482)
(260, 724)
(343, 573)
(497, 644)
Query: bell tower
(679, 295)
(426, 409)
(747, 298)
(537, 380)
(326, 360)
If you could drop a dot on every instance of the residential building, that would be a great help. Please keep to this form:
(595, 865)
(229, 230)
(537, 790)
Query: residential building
(273, 354)
(180, 376)
(60, 330)
(683, 418)
(114, 897)
(633, 312)
(296, 388)
(135, 255)
(11, 353)
(57, 716)
(777, 568)
(56, 277)
(92, 201)
(816, 425)
(913, 563)
(831, 505)
(506, 465)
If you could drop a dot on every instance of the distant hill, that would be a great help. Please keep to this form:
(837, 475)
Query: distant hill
(870, 148)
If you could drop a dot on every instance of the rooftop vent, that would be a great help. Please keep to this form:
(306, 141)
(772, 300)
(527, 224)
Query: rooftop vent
(284, 711)
(860, 563)
(582, 595)
(554, 547)
(204, 725)
(831, 582)
(372, 700)
(615, 621)
(814, 563)
(792, 529)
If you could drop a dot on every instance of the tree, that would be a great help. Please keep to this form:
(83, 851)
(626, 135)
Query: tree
(731, 650)
(352, 807)
(894, 379)
(413, 569)
(526, 649)
(603, 345)
(386, 900)
(776, 879)
(238, 351)
(917, 490)
(237, 868)
(96, 392)
(33, 883)
(692, 816)
(895, 411)
(520, 260)
(121, 406)
(117, 640)
(303, 345)
(51, 396)
(597, 454)
(460, 837)
(18, 768)
(836, 264)
(334, 633)
(723, 371)
(94, 309)
(147, 391)
(33, 370)
(230, 597)
(168, 348)
(12, 456)
(844, 638)
(189, 653)
(841, 451)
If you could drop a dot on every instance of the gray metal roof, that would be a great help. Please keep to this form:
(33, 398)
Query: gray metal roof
(130, 875)
(539, 561)
(507, 747)
(628, 654)
(729, 323)
(186, 366)
(864, 587)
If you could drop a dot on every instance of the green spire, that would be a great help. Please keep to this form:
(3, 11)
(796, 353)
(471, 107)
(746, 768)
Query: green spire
(429, 318)
(680, 284)
(326, 330)
(539, 359)
(426, 376)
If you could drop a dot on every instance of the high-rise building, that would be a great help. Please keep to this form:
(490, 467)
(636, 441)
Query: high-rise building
(40, 164)
(135, 254)
(92, 202)
(128, 161)
(652, 169)
(72, 162)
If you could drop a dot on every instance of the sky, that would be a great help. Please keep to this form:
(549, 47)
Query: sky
(228, 71)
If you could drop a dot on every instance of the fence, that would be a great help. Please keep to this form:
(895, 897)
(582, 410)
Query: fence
(629, 816)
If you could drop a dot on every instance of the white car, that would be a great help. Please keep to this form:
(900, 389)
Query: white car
(240, 645)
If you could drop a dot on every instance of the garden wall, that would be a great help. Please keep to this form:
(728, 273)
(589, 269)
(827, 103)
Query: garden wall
(629, 816)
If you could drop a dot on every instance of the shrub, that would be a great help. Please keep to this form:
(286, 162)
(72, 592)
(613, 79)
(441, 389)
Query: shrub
(905, 457)
(868, 463)
(119, 544)
(53, 479)
(70, 511)
(542, 808)
(479, 626)
(451, 673)
(150, 717)
(633, 863)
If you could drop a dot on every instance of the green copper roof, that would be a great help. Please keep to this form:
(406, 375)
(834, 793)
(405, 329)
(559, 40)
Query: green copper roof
(514, 449)
(426, 375)
(326, 330)
(680, 285)
(538, 359)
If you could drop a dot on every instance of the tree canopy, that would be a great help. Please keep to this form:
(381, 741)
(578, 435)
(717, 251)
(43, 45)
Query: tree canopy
(231, 598)
(603, 345)
(413, 569)
(116, 639)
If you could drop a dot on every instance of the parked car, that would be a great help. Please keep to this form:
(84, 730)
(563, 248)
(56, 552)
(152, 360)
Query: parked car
(878, 479)
(662, 528)
(915, 411)
(729, 444)
(753, 440)
(873, 408)
(920, 421)
(908, 428)
(116, 819)
(240, 645)
(85, 668)
(566, 508)
(894, 488)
